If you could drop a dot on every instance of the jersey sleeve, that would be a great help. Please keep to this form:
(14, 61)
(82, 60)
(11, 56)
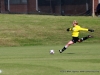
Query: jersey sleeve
(83, 29)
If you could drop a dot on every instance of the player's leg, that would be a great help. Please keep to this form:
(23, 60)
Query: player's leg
(74, 40)
(66, 46)
(84, 38)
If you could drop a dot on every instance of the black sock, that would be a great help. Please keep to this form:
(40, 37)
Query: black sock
(84, 38)
(63, 49)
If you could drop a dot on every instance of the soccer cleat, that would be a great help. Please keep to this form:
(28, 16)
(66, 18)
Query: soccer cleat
(60, 51)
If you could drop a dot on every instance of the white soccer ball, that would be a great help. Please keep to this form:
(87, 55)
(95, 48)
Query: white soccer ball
(52, 52)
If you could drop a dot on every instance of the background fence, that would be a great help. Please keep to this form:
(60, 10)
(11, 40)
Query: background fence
(57, 7)
(66, 7)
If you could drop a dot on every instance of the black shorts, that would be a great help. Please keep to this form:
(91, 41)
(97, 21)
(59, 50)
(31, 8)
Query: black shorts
(75, 39)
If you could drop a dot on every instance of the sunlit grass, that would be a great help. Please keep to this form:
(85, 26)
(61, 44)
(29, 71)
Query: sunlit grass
(19, 29)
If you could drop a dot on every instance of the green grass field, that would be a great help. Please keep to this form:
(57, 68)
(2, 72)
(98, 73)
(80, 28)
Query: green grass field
(26, 30)
(25, 41)
(79, 59)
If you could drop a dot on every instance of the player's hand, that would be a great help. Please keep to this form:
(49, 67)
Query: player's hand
(68, 29)
(90, 30)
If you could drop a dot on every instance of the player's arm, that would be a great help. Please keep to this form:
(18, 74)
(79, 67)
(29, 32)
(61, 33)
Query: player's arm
(85, 29)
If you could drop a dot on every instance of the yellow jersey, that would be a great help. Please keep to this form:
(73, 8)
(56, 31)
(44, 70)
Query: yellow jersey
(76, 30)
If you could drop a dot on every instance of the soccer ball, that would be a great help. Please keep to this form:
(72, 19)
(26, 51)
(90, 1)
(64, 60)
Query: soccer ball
(52, 52)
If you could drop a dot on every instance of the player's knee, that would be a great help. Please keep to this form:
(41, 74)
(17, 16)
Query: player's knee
(79, 40)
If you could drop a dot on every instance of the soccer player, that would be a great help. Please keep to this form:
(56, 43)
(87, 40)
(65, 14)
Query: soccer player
(75, 35)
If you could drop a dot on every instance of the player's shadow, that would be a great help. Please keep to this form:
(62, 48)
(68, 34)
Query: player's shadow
(70, 53)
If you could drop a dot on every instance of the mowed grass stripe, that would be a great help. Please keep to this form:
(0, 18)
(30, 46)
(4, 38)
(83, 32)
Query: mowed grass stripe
(38, 61)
